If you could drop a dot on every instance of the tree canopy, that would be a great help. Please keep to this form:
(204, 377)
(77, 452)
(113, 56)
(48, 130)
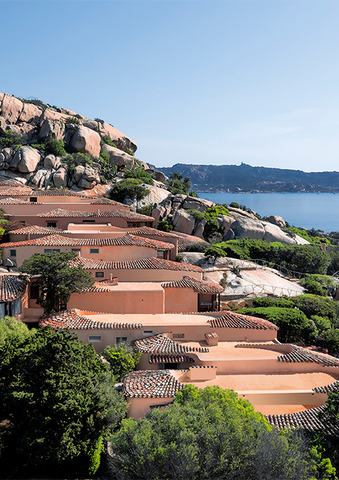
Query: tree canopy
(11, 327)
(207, 434)
(122, 359)
(57, 399)
(56, 279)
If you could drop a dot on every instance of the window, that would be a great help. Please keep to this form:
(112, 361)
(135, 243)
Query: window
(178, 335)
(120, 340)
(94, 250)
(51, 250)
(33, 199)
(76, 250)
(88, 221)
(94, 338)
(12, 253)
(161, 253)
(148, 333)
(99, 274)
(51, 224)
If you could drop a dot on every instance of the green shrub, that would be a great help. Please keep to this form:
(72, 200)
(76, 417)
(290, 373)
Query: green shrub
(178, 184)
(9, 139)
(316, 305)
(130, 187)
(332, 340)
(94, 456)
(322, 323)
(292, 323)
(199, 247)
(214, 252)
(54, 146)
(107, 139)
(72, 120)
(164, 226)
(122, 359)
(139, 173)
(146, 210)
(319, 284)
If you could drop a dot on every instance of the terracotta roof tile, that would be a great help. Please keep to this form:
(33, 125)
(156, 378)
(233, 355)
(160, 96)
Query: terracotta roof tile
(108, 201)
(117, 212)
(236, 320)
(145, 231)
(170, 359)
(59, 240)
(16, 192)
(162, 344)
(10, 183)
(327, 388)
(151, 384)
(16, 201)
(37, 230)
(200, 286)
(307, 419)
(59, 193)
(11, 287)
(303, 355)
(151, 263)
(74, 320)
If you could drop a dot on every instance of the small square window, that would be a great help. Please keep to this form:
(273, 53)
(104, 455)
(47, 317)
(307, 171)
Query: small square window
(33, 199)
(161, 253)
(51, 224)
(99, 274)
(178, 335)
(94, 250)
(12, 253)
(51, 250)
(120, 340)
(88, 221)
(148, 333)
(76, 250)
(94, 338)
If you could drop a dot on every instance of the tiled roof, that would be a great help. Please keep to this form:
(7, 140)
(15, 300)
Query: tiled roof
(74, 320)
(236, 320)
(118, 212)
(36, 230)
(327, 388)
(151, 384)
(59, 240)
(10, 183)
(16, 201)
(303, 355)
(16, 192)
(11, 287)
(150, 231)
(200, 286)
(307, 419)
(108, 201)
(59, 193)
(161, 344)
(184, 242)
(170, 359)
(151, 263)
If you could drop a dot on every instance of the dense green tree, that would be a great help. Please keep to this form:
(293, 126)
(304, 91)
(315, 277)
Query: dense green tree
(122, 359)
(140, 173)
(316, 305)
(56, 279)
(207, 434)
(178, 184)
(332, 340)
(164, 226)
(215, 252)
(57, 399)
(130, 187)
(292, 323)
(319, 284)
(11, 327)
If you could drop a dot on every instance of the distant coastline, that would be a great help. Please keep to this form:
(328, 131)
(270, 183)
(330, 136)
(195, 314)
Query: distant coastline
(301, 209)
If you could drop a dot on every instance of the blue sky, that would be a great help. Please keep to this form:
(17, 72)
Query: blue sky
(206, 82)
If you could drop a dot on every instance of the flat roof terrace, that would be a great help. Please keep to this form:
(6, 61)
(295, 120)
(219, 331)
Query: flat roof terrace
(229, 350)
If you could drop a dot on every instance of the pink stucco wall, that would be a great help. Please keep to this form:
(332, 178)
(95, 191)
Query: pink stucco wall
(181, 300)
(105, 252)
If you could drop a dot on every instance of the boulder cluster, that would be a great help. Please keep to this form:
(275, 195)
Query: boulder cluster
(238, 224)
(34, 123)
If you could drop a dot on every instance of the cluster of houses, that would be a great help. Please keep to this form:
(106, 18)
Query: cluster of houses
(166, 309)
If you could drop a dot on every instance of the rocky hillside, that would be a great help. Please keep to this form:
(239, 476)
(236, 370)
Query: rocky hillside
(45, 146)
(199, 217)
(245, 178)
(37, 139)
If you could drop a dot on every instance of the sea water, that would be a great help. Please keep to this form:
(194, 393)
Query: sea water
(317, 210)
